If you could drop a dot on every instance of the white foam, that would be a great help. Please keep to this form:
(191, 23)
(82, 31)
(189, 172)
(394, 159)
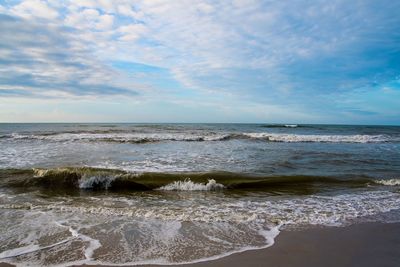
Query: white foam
(39, 172)
(123, 137)
(29, 249)
(165, 225)
(157, 137)
(269, 236)
(291, 138)
(188, 185)
(93, 243)
(86, 182)
(388, 182)
(19, 251)
(98, 180)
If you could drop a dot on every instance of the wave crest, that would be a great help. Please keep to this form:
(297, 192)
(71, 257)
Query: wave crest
(96, 182)
(70, 179)
(141, 138)
(297, 138)
(388, 182)
(188, 185)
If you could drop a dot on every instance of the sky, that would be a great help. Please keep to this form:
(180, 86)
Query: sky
(248, 61)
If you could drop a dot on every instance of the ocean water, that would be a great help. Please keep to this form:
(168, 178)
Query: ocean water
(177, 193)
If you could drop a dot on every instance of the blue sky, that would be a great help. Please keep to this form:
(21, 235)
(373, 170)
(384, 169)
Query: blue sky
(200, 61)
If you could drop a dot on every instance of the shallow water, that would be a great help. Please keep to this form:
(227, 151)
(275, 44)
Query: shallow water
(174, 193)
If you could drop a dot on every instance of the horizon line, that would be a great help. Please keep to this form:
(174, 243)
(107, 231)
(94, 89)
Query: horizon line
(270, 123)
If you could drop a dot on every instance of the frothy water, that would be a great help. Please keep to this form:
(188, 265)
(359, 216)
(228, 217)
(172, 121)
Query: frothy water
(136, 194)
(95, 181)
(388, 181)
(153, 229)
(293, 138)
(188, 185)
(193, 137)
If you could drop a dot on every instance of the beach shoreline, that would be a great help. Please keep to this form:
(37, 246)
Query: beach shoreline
(365, 244)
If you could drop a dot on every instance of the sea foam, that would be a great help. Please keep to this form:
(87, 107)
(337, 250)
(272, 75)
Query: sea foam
(188, 185)
(140, 138)
(96, 181)
(293, 138)
(388, 182)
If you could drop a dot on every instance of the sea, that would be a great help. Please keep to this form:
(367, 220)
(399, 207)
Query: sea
(127, 194)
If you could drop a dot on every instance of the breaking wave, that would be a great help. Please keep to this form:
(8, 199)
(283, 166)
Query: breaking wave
(293, 138)
(119, 137)
(284, 126)
(389, 182)
(141, 138)
(70, 179)
(96, 181)
(188, 185)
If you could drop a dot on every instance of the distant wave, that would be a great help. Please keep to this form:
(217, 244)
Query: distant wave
(282, 126)
(294, 138)
(139, 138)
(121, 137)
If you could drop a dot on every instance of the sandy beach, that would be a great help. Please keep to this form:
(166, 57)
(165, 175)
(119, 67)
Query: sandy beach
(368, 244)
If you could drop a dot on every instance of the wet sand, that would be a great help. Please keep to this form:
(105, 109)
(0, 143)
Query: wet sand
(366, 245)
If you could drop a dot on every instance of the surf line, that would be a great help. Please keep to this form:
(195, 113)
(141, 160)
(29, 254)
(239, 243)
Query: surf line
(93, 245)
(29, 249)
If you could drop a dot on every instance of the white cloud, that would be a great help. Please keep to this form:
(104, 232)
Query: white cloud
(75, 5)
(131, 32)
(127, 9)
(40, 59)
(90, 19)
(35, 8)
(205, 7)
(265, 50)
(105, 22)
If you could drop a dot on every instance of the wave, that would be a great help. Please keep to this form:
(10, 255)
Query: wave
(96, 181)
(71, 179)
(390, 182)
(282, 126)
(139, 138)
(188, 185)
(295, 138)
(136, 138)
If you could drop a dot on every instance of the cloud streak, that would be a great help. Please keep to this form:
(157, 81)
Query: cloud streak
(312, 57)
(36, 58)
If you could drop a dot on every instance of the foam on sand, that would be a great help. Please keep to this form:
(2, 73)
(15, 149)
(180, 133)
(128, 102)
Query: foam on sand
(216, 226)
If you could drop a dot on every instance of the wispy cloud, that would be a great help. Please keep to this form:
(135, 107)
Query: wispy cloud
(37, 58)
(300, 56)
